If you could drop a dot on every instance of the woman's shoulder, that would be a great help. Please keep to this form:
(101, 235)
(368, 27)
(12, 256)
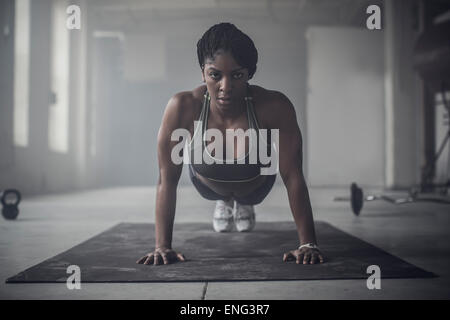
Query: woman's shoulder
(188, 99)
(267, 97)
(186, 105)
(271, 105)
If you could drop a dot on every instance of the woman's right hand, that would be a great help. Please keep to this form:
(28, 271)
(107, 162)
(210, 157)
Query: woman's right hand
(161, 256)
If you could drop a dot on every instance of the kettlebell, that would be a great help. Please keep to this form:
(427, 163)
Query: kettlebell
(10, 209)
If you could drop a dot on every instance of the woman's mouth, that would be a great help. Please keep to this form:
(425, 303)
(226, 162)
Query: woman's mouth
(224, 100)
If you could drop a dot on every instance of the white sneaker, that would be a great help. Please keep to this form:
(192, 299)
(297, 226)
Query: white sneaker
(223, 216)
(244, 217)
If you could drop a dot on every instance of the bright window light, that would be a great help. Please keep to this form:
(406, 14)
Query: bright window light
(21, 72)
(58, 121)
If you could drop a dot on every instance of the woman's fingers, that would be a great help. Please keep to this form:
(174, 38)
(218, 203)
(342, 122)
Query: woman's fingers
(141, 260)
(304, 256)
(317, 257)
(165, 258)
(172, 257)
(161, 257)
(300, 257)
(157, 259)
(314, 258)
(149, 259)
(307, 257)
(289, 256)
(321, 258)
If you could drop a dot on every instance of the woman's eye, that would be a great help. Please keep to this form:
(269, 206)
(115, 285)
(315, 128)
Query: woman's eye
(214, 75)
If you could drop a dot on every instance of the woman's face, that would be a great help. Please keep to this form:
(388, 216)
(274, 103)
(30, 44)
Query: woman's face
(226, 80)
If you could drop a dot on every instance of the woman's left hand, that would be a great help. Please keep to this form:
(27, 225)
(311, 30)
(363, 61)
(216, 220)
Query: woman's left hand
(304, 255)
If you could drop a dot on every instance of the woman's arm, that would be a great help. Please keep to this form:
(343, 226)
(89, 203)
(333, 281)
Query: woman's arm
(166, 189)
(169, 175)
(290, 166)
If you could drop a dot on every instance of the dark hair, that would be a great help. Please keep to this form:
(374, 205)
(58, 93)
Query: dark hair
(225, 36)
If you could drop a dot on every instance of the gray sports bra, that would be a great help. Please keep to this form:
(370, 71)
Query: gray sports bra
(228, 172)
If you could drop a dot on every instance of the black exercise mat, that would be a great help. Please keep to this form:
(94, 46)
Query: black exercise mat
(111, 256)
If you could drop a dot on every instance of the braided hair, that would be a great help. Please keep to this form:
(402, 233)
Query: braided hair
(225, 36)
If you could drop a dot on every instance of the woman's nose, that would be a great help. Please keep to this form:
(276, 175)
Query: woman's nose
(226, 85)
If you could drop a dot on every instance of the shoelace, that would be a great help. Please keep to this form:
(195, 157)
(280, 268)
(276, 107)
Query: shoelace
(244, 211)
(223, 209)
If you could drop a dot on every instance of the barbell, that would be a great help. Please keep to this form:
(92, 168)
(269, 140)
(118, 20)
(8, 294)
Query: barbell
(357, 198)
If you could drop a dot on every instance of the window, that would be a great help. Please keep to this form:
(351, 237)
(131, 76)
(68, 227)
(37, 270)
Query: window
(21, 72)
(58, 121)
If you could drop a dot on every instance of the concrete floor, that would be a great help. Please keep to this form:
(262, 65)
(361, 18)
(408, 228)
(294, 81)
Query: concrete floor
(47, 225)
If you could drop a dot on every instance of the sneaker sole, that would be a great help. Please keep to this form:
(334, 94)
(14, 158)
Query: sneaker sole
(226, 229)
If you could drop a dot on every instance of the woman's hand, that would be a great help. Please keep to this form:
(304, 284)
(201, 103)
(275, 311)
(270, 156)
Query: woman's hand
(304, 255)
(161, 256)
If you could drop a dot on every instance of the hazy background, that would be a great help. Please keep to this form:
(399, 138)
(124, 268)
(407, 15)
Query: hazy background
(82, 108)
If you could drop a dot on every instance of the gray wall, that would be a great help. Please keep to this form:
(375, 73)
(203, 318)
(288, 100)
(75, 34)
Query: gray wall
(345, 107)
(403, 96)
(118, 108)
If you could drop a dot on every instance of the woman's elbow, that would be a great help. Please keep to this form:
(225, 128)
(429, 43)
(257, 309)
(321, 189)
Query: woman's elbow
(168, 178)
(293, 177)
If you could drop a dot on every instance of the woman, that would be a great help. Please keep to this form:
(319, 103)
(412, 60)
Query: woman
(227, 59)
